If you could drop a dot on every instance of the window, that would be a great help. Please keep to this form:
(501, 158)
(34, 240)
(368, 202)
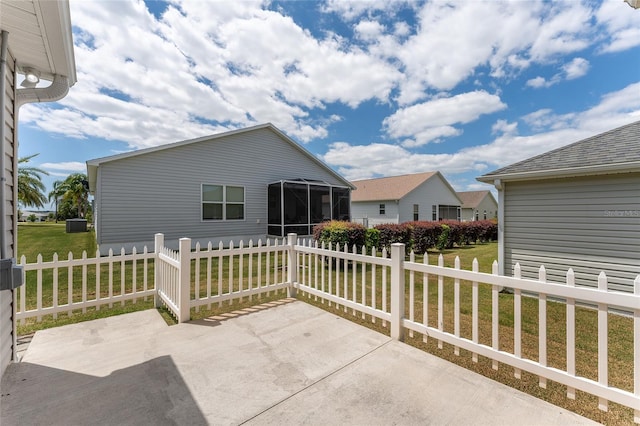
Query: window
(449, 212)
(476, 217)
(416, 214)
(221, 202)
(382, 209)
(434, 213)
(485, 215)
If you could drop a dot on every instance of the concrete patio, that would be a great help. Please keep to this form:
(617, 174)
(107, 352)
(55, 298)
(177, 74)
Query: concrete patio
(280, 363)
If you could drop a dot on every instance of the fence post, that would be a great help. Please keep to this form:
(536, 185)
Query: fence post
(184, 298)
(292, 264)
(158, 243)
(397, 291)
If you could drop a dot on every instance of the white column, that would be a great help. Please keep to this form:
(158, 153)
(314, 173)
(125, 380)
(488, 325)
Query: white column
(292, 264)
(184, 299)
(397, 291)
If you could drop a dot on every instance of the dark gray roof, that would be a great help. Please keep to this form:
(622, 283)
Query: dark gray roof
(615, 149)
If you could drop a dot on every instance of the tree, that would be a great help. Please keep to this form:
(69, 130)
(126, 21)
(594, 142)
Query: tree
(30, 186)
(75, 189)
(56, 194)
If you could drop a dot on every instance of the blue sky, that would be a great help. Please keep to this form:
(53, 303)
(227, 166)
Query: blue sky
(373, 88)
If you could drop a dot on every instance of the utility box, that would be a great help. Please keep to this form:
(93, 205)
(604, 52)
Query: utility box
(10, 274)
(76, 225)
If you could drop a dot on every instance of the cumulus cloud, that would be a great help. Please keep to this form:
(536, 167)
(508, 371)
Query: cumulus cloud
(576, 68)
(552, 131)
(207, 67)
(431, 120)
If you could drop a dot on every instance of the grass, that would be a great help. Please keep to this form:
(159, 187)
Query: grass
(50, 238)
(620, 330)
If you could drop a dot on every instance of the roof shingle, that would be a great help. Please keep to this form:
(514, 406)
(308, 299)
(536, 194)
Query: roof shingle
(388, 188)
(619, 146)
(471, 199)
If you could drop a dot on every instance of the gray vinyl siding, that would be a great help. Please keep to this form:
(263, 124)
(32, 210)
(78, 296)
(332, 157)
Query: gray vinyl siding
(6, 296)
(432, 192)
(369, 212)
(160, 191)
(567, 223)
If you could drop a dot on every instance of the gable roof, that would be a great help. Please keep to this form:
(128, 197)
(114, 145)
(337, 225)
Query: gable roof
(471, 199)
(392, 187)
(614, 151)
(92, 165)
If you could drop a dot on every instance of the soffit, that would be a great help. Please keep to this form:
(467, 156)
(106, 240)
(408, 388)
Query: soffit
(40, 36)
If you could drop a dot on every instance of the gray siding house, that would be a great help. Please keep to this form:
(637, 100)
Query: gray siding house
(36, 41)
(478, 205)
(397, 199)
(575, 207)
(239, 185)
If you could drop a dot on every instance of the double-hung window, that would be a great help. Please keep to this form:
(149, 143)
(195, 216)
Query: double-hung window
(222, 202)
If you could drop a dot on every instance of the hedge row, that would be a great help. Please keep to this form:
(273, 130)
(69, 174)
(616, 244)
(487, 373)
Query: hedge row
(417, 236)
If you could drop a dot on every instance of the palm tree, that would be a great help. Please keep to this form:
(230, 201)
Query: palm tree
(56, 193)
(30, 186)
(75, 188)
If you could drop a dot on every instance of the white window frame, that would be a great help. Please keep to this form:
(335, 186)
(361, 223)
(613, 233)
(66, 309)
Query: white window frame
(224, 202)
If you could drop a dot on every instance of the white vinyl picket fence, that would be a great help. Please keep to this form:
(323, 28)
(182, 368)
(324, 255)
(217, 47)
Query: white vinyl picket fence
(384, 286)
(348, 280)
(67, 285)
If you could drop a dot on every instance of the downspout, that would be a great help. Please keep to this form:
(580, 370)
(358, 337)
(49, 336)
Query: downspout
(500, 187)
(3, 87)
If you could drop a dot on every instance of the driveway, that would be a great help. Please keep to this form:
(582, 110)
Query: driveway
(280, 363)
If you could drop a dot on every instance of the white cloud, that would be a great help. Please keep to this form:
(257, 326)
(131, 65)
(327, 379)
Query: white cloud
(621, 25)
(553, 131)
(578, 67)
(206, 67)
(369, 30)
(434, 119)
(63, 169)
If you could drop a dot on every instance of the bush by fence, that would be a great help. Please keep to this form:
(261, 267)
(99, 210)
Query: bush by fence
(418, 236)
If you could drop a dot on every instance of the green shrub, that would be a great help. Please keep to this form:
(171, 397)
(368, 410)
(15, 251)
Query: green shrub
(443, 239)
(371, 239)
(341, 233)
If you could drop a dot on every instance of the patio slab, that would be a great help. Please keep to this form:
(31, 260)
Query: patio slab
(283, 363)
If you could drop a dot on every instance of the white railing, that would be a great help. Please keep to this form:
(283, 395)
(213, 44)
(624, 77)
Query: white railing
(237, 272)
(348, 280)
(63, 286)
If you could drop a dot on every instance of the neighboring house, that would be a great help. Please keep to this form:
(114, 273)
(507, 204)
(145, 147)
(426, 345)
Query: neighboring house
(36, 42)
(40, 216)
(397, 199)
(478, 205)
(239, 185)
(575, 207)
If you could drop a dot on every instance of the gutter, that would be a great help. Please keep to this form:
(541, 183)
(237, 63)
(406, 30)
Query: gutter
(3, 90)
(626, 167)
(54, 92)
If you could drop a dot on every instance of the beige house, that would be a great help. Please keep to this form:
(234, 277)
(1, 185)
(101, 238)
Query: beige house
(397, 199)
(36, 45)
(478, 205)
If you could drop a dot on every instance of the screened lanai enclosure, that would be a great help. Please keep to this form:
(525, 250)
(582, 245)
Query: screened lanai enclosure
(298, 205)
